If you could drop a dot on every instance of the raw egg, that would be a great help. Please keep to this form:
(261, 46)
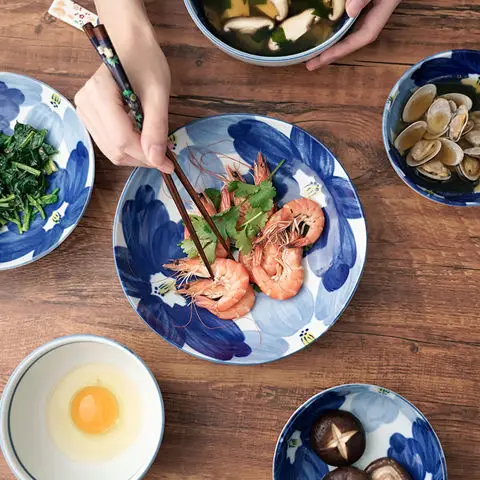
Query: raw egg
(93, 413)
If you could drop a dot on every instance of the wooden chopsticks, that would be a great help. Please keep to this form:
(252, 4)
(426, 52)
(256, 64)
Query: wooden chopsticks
(100, 39)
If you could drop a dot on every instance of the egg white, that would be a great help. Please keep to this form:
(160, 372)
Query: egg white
(80, 446)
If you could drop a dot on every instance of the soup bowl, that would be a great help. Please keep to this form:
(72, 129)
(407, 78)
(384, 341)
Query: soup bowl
(455, 70)
(196, 11)
(394, 428)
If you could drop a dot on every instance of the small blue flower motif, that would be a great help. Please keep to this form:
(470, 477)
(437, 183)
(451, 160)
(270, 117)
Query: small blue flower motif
(283, 318)
(374, 410)
(294, 458)
(10, 101)
(420, 454)
(72, 197)
(151, 241)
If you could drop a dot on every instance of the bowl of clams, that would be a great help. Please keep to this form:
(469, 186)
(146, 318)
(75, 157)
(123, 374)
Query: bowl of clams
(431, 127)
(358, 432)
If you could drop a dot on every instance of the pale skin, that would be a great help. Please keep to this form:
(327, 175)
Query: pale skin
(99, 102)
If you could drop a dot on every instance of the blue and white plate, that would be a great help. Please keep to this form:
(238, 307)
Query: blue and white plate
(394, 428)
(30, 101)
(461, 66)
(148, 229)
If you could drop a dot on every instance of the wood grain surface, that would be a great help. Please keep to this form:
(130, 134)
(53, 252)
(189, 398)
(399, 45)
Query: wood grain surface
(413, 325)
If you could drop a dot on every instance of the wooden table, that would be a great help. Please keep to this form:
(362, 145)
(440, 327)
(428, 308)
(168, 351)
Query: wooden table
(413, 325)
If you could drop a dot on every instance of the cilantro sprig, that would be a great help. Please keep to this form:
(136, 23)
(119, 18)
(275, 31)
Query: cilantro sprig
(260, 203)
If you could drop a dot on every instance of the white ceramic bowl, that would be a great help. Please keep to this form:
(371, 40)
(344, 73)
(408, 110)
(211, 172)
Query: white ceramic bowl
(25, 440)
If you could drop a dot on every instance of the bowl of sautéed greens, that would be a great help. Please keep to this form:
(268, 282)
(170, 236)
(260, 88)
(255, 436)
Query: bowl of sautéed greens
(271, 32)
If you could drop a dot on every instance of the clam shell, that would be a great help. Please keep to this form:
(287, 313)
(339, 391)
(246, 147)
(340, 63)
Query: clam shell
(450, 154)
(470, 168)
(430, 136)
(423, 151)
(459, 99)
(435, 169)
(410, 136)
(438, 116)
(468, 127)
(458, 123)
(473, 138)
(475, 116)
(453, 106)
(419, 103)
(473, 152)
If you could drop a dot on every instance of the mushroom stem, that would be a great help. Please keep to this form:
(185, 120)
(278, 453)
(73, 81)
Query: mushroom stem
(338, 10)
(248, 24)
(282, 9)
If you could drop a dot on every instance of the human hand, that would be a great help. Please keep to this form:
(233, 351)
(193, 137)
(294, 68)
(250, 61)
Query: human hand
(100, 106)
(367, 30)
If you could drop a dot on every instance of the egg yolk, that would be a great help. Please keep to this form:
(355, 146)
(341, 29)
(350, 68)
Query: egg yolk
(94, 410)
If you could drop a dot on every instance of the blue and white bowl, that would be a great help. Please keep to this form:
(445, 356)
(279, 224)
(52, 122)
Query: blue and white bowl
(454, 65)
(148, 228)
(394, 428)
(195, 10)
(30, 101)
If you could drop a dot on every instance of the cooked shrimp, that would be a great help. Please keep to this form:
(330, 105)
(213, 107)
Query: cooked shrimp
(261, 172)
(270, 254)
(237, 311)
(277, 225)
(288, 278)
(309, 221)
(228, 287)
(298, 224)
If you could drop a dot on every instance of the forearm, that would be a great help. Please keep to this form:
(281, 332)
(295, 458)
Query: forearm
(126, 21)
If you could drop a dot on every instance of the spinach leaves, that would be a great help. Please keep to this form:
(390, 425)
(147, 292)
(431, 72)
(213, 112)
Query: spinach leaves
(25, 163)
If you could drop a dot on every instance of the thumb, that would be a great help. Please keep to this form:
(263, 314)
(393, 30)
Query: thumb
(354, 7)
(155, 135)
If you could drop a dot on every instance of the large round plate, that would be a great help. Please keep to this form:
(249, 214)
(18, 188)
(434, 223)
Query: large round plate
(148, 229)
(27, 100)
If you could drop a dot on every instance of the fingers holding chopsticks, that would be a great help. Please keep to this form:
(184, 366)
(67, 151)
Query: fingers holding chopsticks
(100, 106)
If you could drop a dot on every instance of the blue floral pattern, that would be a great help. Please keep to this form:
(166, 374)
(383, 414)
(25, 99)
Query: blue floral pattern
(451, 65)
(382, 413)
(375, 410)
(21, 99)
(152, 240)
(273, 329)
(419, 454)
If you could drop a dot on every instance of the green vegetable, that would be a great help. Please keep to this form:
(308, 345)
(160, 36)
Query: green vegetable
(224, 221)
(215, 196)
(25, 162)
(255, 220)
(260, 202)
(259, 196)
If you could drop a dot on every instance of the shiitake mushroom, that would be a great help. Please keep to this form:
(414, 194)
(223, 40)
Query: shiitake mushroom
(338, 438)
(387, 469)
(346, 473)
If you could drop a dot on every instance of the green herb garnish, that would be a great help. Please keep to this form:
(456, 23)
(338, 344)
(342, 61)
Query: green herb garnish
(25, 162)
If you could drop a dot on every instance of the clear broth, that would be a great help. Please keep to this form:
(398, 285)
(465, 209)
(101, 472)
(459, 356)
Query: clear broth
(258, 43)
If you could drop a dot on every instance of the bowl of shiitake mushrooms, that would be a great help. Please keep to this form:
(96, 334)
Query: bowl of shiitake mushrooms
(271, 32)
(358, 432)
(431, 127)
